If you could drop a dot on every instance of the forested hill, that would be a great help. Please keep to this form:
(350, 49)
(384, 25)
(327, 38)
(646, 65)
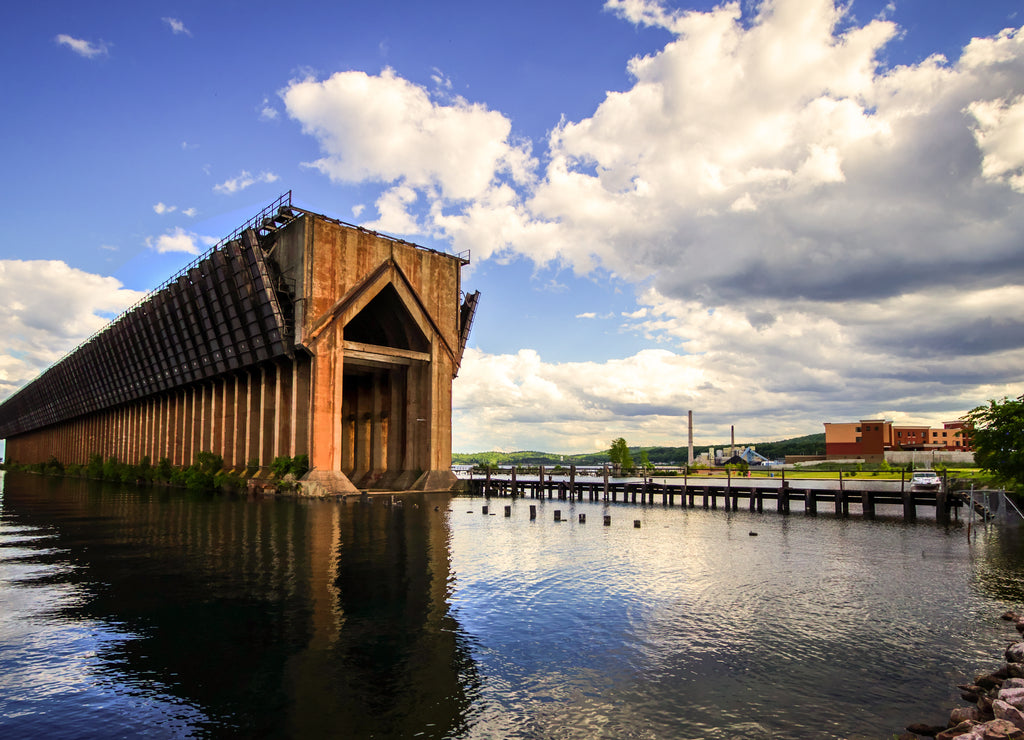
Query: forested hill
(811, 444)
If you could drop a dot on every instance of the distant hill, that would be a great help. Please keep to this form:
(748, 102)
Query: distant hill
(811, 444)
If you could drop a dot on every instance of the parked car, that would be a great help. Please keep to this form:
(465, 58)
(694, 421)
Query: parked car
(925, 479)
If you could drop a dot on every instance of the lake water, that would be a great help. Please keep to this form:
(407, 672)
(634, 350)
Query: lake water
(163, 614)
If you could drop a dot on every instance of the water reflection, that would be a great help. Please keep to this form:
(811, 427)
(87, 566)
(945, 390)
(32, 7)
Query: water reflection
(270, 619)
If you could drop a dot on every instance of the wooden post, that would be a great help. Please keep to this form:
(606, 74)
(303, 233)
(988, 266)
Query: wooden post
(942, 507)
(533, 511)
(867, 500)
(540, 477)
(572, 481)
(606, 481)
(810, 502)
(909, 507)
(558, 515)
(583, 518)
(508, 511)
(513, 486)
(607, 520)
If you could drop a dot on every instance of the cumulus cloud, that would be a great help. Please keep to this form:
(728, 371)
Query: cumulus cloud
(179, 240)
(48, 309)
(806, 223)
(82, 47)
(176, 26)
(243, 180)
(384, 128)
(162, 208)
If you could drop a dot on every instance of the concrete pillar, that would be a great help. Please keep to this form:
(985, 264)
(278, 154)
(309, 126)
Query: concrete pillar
(252, 418)
(268, 414)
(282, 408)
(300, 405)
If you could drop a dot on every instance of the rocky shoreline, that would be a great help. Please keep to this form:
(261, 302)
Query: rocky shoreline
(996, 702)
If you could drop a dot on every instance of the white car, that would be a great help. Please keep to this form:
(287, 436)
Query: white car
(925, 479)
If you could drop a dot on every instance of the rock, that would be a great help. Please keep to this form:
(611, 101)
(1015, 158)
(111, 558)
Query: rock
(1019, 626)
(1015, 670)
(984, 705)
(1015, 653)
(1011, 616)
(924, 730)
(1008, 713)
(961, 729)
(999, 729)
(1013, 683)
(1012, 696)
(989, 681)
(963, 714)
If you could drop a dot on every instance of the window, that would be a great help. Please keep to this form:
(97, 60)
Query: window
(858, 431)
(858, 440)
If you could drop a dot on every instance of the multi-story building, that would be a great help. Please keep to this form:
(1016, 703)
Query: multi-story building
(872, 438)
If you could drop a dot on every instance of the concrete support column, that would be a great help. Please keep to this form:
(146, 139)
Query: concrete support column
(226, 444)
(252, 416)
(283, 372)
(213, 402)
(300, 405)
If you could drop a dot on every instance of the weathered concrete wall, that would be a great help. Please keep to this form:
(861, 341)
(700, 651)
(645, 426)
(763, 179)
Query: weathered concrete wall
(380, 318)
(930, 458)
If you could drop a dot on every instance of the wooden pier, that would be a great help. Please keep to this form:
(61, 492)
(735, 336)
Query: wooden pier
(729, 494)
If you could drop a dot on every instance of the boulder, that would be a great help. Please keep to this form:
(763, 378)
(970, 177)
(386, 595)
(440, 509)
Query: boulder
(999, 729)
(1008, 713)
(1012, 696)
(1015, 670)
(963, 714)
(989, 681)
(961, 729)
(1013, 683)
(1011, 616)
(1015, 653)
(919, 728)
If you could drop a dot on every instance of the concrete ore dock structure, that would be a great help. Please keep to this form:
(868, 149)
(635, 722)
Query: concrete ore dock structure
(297, 335)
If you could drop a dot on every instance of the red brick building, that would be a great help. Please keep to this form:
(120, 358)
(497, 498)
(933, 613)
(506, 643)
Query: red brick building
(874, 437)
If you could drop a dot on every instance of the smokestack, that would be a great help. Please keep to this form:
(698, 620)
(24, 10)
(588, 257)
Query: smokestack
(732, 441)
(689, 424)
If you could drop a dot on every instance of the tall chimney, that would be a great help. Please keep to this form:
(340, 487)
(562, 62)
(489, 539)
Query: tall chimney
(689, 425)
(732, 441)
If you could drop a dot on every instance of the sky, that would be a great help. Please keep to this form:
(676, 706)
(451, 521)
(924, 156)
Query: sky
(774, 214)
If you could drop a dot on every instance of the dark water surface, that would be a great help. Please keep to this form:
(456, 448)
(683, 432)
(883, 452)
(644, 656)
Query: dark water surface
(148, 613)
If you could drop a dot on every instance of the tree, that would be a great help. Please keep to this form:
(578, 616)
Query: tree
(645, 461)
(619, 455)
(997, 435)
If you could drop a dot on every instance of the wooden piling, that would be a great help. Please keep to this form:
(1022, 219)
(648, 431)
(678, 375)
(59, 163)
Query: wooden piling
(533, 511)
(607, 520)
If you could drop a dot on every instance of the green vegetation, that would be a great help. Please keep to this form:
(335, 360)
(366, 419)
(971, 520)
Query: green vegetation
(619, 455)
(811, 444)
(998, 440)
(207, 473)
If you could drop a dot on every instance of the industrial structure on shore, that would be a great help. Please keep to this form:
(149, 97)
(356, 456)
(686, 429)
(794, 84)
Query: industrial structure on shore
(297, 335)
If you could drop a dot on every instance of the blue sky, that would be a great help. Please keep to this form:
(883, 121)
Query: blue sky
(775, 214)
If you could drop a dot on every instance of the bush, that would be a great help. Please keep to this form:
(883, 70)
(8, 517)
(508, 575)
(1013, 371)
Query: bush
(300, 465)
(94, 468)
(164, 471)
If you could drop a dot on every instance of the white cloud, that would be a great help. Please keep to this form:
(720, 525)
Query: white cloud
(162, 208)
(243, 180)
(586, 315)
(48, 309)
(357, 210)
(179, 240)
(176, 26)
(190, 212)
(393, 207)
(82, 47)
(387, 129)
(267, 111)
(816, 233)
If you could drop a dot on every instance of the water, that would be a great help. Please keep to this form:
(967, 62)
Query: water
(128, 613)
